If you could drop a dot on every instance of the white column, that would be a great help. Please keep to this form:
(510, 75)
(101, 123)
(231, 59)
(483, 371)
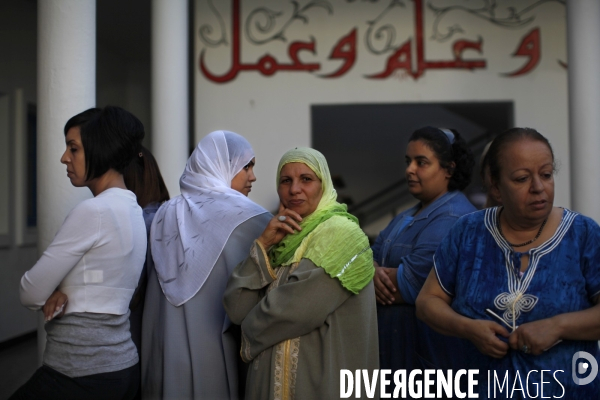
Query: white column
(170, 124)
(583, 45)
(66, 86)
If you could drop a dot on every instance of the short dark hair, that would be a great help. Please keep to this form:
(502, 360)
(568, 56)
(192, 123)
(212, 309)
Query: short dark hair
(142, 176)
(81, 119)
(111, 137)
(447, 153)
(492, 158)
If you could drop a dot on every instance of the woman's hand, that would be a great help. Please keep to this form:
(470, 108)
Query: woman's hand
(386, 285)
(277, 229)
(433, 307)
(538, 336)
(54, 303)
(484, 335)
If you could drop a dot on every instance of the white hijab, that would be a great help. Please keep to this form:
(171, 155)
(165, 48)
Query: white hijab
(190, 231)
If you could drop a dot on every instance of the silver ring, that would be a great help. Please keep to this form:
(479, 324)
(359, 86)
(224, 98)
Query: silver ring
(282, 218)
(525, 349)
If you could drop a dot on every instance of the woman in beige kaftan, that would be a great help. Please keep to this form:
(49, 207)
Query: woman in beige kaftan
(304, 297)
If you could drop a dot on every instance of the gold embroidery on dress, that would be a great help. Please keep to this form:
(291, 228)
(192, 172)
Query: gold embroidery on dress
(278, 378)
(286, 371)
(294, 352)
(281, 271)
(286, 368)
(245, 349)
(254, 257)
(266, 258)
(286, 352)
(255, 361)
(254, 254)
(293, 267)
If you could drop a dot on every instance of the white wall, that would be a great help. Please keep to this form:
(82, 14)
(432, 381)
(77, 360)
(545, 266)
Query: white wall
(273, 112)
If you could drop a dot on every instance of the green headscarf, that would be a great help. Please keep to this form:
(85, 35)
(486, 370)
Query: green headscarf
(330, 236)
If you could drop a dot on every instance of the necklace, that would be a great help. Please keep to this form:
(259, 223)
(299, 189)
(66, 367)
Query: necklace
(521, 244)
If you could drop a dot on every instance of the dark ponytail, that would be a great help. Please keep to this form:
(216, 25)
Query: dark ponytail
(142, 176)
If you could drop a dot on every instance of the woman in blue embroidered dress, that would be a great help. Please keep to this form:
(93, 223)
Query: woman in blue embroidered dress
(438, 166)
(521, 281)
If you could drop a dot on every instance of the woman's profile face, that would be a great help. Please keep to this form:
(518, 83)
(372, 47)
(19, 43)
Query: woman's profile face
(526, 181)
(74, 157)
(299, 188)
(242, 182)
(426, 178)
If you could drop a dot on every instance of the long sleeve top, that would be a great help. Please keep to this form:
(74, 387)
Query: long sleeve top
(95, 258)
(409, 242)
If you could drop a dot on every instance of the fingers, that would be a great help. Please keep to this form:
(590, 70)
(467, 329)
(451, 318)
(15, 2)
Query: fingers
(382, 286)
(484, 336)
(286, 212)
(538, 336)
(519, 343)
(380, 299)
(500, 330)
(55, 305)
(513, 340)
(379, 288)
(49, 309)
(61, 301)
(498, 349)
(288, 217)
(519, 338)
(288, 222)
(392, 279)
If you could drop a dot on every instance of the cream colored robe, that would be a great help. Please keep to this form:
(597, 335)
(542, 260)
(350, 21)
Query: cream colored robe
(300, 327)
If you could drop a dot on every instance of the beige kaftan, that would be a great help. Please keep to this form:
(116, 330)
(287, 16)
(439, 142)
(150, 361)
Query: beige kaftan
(300, 327)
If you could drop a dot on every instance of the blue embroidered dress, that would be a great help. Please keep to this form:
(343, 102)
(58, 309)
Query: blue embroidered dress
(477, 267)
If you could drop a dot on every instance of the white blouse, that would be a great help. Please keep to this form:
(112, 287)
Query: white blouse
(95, 258)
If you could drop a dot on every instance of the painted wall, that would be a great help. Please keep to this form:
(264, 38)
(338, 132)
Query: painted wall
(247, 81)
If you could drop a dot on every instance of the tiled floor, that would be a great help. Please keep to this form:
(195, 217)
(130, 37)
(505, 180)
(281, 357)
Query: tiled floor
(17, 365)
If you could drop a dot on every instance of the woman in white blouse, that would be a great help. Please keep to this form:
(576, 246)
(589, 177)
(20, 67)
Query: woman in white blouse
(95, 261)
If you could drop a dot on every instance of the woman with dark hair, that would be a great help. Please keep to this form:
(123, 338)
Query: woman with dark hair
(438, 167)
(521, 281)
(142, 176)
(190, 349)
(95, 261)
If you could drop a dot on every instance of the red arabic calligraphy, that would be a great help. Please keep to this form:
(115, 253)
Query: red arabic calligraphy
(529, 47)
(408, 56)
(345, 49)
(402, 58)
(266, 65)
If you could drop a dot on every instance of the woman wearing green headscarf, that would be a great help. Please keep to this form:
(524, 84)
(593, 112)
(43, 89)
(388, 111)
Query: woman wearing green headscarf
(304, 297)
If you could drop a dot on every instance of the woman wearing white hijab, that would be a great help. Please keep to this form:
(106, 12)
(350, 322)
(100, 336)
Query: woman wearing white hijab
(197, 238)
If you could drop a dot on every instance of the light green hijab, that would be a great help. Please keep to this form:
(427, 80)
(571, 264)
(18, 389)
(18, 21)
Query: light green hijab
(330, 236)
